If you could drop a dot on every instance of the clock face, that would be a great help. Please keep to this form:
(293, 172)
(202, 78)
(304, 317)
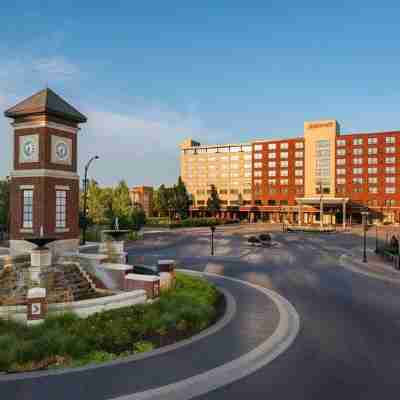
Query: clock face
(29, 148)
(62, 151)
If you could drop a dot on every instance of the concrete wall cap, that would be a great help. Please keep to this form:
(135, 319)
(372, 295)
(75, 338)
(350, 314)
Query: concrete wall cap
(166, 262)
(117, 267)
(36, 292)
(139, 277)
(93, 256)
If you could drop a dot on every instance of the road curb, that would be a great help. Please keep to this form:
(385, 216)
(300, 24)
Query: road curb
(283, 336)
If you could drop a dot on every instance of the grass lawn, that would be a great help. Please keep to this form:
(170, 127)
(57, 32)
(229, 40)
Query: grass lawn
(67, 340)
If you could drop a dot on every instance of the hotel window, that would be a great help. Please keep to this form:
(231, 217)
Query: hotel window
(284, 182)
(357, 141)
(284, 155)
(390, 139)
(341, 161)
(284, 190)
(341, 181)
(258, 173)
(271, 146)
(357, 161)
(27, 220)
(234, 191)
(298, 163)
(258, 147)
(248, 165)
(390, 179)
(258, 165)
(299, 189)
(358, 181)
(373, 203)
(299, 145)
(298, 172)
(271, 164)
(341, 171)
(61, 208)
(236, 175)
(246, 191)
(257, 181)
(247, 174)
(298, 154)
(248, 156)
(372, 140)
(372, 189)
(390, 170)
(271, 173)
(340, 189)
(390, 202)
(235, 149)
(357, 189)
(223, 191)
(357, 171)
(390, 160)
(235, 166)
(258, 156)
(271, 182)
(390, 149)
(246, 148)
(284, 172)
(340, 142)
(390, 189)
(341, 152)
(358, 151)
(372, 150)
(284, 164)
(373, 170)
(271, 155)
(284, 146)
(373, 180)
(372, 160)
(298, 181)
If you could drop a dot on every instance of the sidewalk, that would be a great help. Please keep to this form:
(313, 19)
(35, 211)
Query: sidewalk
(375, 266)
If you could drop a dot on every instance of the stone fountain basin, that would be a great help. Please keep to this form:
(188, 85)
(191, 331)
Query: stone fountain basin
(116, 234)
(40, 242)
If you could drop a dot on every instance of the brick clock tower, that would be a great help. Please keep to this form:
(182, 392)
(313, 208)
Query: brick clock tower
(44, 190)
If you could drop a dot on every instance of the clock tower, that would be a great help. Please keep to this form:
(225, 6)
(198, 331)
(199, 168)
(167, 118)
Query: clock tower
(44, 189)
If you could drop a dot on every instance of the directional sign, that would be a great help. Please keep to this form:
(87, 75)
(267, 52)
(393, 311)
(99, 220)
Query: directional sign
(36, 308)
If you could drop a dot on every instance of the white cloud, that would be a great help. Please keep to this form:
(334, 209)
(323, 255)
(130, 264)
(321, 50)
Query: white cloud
(141, 147)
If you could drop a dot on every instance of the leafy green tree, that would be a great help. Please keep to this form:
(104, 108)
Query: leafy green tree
(213, 202)
(137, 218)
(181, 199)
(4, 202)
(163, 201)
(121, 204)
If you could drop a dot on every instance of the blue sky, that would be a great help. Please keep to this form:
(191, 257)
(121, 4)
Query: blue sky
(149, 74)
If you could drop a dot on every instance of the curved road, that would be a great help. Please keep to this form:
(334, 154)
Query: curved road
(349, 340)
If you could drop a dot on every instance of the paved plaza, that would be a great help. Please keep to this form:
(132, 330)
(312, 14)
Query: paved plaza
(346, 345)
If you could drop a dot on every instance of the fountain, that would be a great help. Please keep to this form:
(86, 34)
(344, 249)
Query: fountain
(115, 247)
(40, 255)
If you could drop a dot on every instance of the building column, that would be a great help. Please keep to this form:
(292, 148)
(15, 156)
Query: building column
(344, 215)
(321, 213)
(301, 215)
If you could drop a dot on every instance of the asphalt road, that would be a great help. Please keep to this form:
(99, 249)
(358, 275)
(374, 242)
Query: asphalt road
(348, 345)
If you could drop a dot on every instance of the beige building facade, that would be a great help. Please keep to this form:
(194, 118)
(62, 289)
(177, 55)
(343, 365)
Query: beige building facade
(228, 167)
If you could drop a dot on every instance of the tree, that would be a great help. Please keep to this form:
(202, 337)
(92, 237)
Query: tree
(121, 205)
(137, 218)
(4, 202)
(162, 201)
(181, 198)
(213, 202)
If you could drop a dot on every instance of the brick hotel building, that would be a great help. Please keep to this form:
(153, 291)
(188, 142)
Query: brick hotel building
(321, 174)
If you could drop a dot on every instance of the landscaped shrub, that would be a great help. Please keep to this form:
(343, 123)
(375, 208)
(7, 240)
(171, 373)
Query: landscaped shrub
(73, 341)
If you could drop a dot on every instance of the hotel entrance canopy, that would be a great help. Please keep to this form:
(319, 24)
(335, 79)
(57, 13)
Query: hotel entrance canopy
(325, 200)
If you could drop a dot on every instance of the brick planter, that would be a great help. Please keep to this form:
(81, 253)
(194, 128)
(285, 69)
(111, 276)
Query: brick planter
(149, 283)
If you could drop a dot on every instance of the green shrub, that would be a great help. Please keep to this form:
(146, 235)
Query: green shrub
(142, 346)
(103, 336)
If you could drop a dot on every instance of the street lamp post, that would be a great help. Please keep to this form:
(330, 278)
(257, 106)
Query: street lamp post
(376, 239)
(364, 216)
(212, 227)
(321, 208)
(85, 187)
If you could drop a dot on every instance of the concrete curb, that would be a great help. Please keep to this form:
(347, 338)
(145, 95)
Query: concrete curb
(272, 347)
(346, 262)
